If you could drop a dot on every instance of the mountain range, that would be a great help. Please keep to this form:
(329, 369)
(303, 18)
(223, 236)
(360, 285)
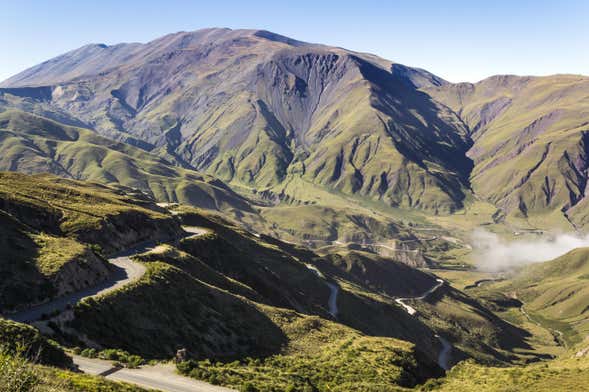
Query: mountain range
(271, 114)
(332, 196)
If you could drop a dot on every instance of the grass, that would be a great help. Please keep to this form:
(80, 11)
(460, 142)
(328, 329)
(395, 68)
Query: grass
(215, 296)
(25, 340)
(71, 152)
(168, 309)
(475, 330)
(22, 281)
(558, 375)
(529, 131)
(555, 293)
(49, 223)
(69, 206)
(320, 355)
(122, 357)
(19, 374)
(356, 363)
(55, 252)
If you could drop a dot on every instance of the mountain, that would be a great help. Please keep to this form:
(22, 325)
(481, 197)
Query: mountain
(53, 231)
(530, 148)
(259, 110)
(556, 293)
(31, 143)
(282, 120)
(284, 206)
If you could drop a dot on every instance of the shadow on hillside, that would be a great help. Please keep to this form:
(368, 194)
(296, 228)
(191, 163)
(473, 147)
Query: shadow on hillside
(436, 141)
(21, 281)
(508, 336)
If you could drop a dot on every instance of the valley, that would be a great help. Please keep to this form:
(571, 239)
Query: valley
(238, 210)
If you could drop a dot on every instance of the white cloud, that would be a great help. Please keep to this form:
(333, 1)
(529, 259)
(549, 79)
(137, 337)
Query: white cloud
(495, 254)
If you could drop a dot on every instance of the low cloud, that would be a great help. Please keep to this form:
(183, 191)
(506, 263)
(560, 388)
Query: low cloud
(495, 254)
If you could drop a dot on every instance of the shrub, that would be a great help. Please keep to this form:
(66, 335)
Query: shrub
(213, 379)
(133, 361)
(26, 340)
(248, 387)
(89, 353)
(111, 355)
(16, 373)
(291, 388)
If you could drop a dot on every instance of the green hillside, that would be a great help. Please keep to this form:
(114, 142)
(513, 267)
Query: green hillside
(334, 198)
(54, 232)
(529, 143)
(558, 375)
(556, 294)
(35, 144)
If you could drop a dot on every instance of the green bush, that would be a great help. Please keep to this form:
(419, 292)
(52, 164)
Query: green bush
(89, 353)
(16, 373)
(248, 387)
(26, 340)
(120, 356)
(133, 361)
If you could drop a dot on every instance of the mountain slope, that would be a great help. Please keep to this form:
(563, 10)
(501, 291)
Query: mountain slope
(52, 230)
(557, 294)
(33, 144)
(530, 142)
(257, 109)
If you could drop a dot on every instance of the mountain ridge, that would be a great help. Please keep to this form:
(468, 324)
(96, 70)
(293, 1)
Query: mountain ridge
(252, 108)
(268, 114)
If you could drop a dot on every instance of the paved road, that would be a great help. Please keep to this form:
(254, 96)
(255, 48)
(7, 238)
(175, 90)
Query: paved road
(125, 271)
(161, 377)
(446, 351)
(333, 290)
(376, 245)
(411, 310)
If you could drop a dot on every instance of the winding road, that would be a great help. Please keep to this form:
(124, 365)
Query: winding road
(162, 377)
(559, 338)
(445, 353)
(411, 310)
(333, 290)
(125, 271)
(377, 245)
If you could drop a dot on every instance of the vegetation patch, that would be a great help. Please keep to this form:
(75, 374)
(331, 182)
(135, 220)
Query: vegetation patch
(17, 338)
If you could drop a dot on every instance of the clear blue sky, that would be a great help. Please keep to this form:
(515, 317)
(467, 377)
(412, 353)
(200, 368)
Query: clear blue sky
(458, 40)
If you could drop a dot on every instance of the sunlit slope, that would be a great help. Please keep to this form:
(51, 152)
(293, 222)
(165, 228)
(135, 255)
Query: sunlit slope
(253, 307)
(257, 109)
(34, 144)
(557, 291)
(53, 230)
(530, 142)
(559, 375)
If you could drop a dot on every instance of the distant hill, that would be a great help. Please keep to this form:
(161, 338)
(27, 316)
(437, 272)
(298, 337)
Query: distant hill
(285, 119)
(557, 293)
(31, 143)
(530, 142)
